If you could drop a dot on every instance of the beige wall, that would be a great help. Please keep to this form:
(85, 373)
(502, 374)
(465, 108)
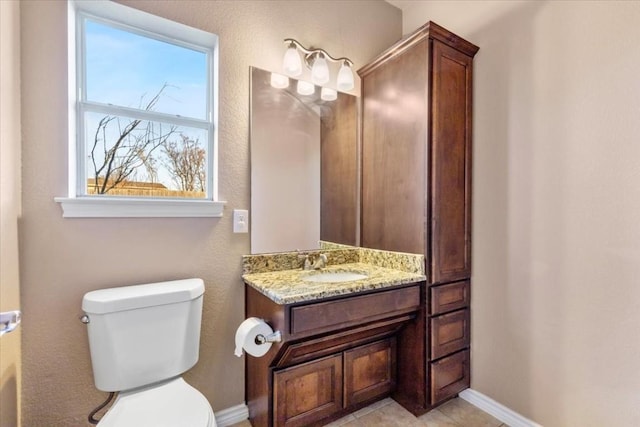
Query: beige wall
(556, 230)
(61, 259)
(10, 364)
(286, 160)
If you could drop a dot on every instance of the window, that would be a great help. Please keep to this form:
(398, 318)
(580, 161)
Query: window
(144, 114)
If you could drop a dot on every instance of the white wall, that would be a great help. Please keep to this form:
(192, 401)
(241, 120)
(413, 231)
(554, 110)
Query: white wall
(61, 259)
(10, 365)
(556, 204)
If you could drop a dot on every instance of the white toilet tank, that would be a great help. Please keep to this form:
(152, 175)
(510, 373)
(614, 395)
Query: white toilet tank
(142, 334)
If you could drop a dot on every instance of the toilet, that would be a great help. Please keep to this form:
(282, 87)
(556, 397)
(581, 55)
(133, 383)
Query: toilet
(142, 339)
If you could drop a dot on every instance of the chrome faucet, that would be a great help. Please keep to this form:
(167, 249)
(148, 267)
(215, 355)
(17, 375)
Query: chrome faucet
(321, 262)
(306, 265)
(313, 262)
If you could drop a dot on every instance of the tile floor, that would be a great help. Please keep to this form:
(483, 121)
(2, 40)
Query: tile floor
(388, 413)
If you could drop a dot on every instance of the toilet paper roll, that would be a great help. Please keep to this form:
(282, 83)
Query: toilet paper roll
(246, 335)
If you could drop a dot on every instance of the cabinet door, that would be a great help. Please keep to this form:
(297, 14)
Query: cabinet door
(451, 165)
(369, 371)
(449, 376)
(449, 297)
(449, 333)
(394, 129)
(307, 393)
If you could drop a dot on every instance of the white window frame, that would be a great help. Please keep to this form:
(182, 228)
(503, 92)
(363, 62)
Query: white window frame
(80, 204)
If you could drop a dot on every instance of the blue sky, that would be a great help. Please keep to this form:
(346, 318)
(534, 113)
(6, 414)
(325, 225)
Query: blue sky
(122, 67)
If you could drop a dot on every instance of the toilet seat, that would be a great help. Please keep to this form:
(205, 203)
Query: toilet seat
(171, 404)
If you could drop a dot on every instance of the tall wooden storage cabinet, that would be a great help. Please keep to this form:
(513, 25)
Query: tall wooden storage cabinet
(416, 196)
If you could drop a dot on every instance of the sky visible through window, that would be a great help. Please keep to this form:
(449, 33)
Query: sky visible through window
(125, 69)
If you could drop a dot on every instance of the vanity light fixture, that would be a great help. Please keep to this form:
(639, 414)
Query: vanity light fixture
(279, 81)
(305, 88)
(345, 77)
(292, 64)
(316, 59)
(328, 94)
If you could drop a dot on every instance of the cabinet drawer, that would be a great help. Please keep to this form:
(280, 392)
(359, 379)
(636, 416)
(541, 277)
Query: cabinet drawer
(449, 333)
(452, 296)
(336, 314)
(307, 393)
(369, 371)
(449, 376)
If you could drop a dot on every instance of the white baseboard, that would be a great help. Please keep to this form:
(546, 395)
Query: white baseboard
(230, 416)
(498, 410)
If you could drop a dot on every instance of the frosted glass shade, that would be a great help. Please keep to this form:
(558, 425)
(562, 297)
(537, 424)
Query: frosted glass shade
(328, 94)
(292, 64)
(345, 78)
(279, 81)
(305, 88)
(320, 70)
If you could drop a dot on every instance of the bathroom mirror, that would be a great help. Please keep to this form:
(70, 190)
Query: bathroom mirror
(303, 166)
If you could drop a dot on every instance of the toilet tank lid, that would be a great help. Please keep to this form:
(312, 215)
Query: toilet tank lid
(138, 296)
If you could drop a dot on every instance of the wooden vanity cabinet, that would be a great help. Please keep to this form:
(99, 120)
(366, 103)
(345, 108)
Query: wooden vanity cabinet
(449, 376)
(369, 371)
(308, 392)
(336, 355)
(416, 132)
(449, 333)
(416, 151)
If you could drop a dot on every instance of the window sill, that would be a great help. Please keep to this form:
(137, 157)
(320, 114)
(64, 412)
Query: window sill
(96, 207)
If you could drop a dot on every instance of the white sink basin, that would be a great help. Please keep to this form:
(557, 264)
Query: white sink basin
(334, 276)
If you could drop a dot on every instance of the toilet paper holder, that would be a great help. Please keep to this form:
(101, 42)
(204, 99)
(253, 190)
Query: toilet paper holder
(263, 339)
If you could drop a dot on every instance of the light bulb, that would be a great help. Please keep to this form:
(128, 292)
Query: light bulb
(305, 88)
(328, 94)
(292, 64)
(345, 77)
(279, 81)
(320, 70)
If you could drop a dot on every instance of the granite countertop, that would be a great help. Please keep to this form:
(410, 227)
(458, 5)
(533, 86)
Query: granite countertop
(286, 286)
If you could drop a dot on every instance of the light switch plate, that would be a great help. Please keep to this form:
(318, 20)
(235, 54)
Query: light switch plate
(240, 221)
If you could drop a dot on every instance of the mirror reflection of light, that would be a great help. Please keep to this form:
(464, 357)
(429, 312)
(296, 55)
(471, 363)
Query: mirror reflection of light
(391, 93)
(412, 104)
(328, 94)
(305, 88)
(405, 109)
(279, 81)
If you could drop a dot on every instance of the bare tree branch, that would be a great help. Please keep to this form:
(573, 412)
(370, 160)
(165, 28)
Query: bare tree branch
(187, 162)
(133, 147)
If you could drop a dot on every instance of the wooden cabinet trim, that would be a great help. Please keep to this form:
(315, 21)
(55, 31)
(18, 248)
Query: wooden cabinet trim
(431, 30)
(369, 371)
(296, 389)
(398, 147)
(449, 333)
(449, 376)
(334, 343)
(342, 313)
(450, 171)
(449, 297)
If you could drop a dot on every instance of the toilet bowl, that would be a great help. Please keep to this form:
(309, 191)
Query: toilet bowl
(171, 404)
(142, 338)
